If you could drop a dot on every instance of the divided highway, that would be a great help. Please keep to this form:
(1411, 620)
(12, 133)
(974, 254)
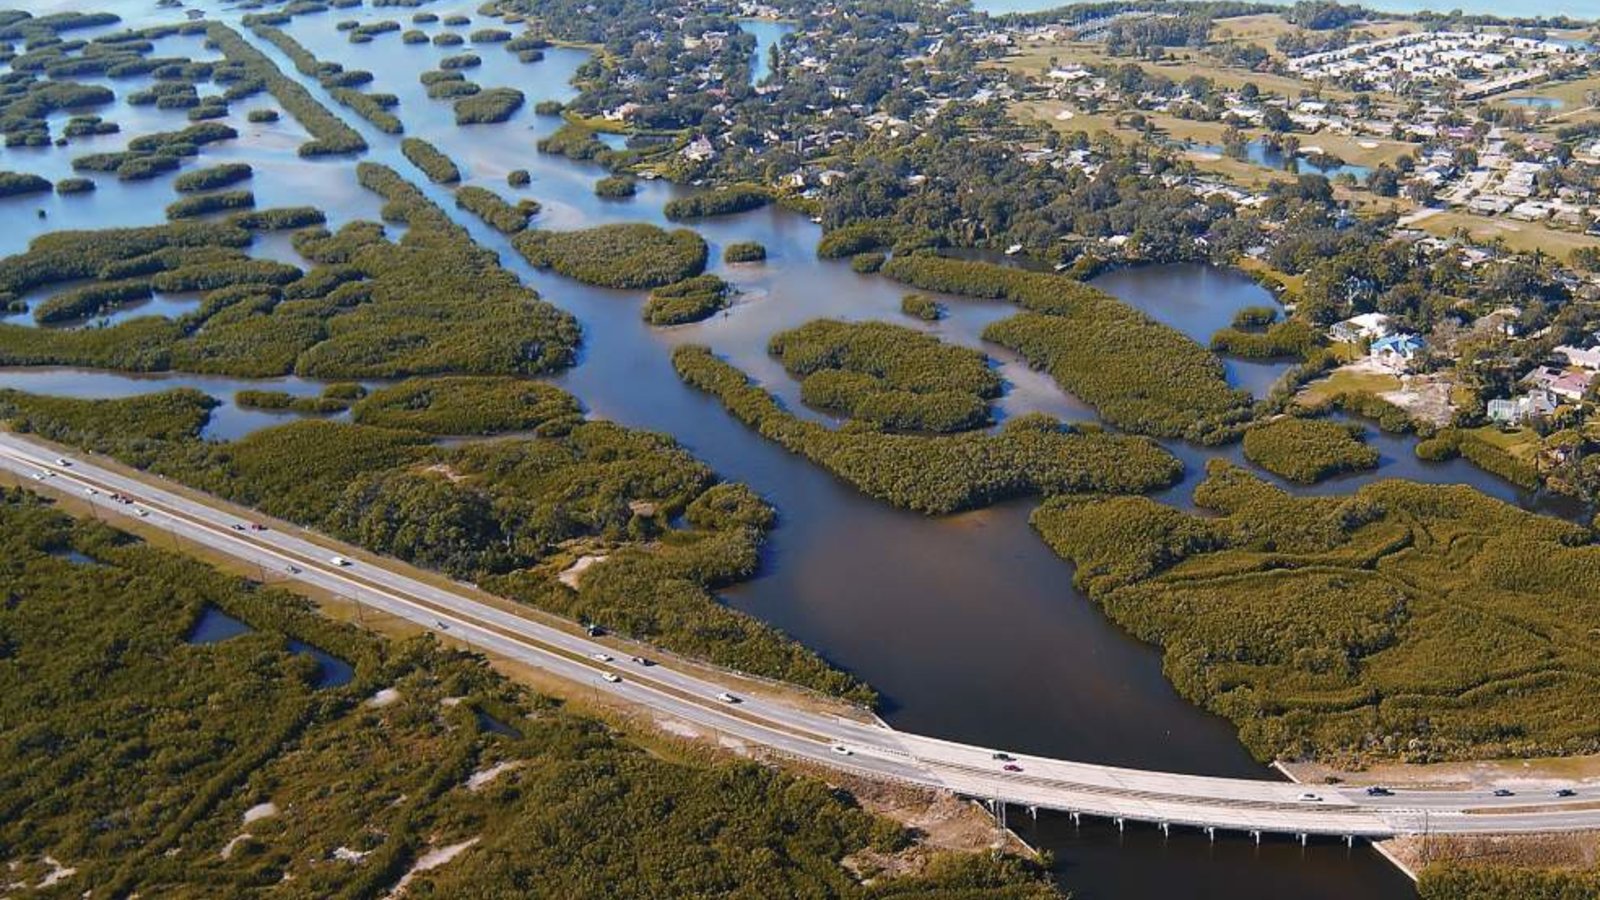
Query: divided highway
(872, 750)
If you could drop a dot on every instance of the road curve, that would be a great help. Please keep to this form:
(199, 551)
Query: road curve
(861, 748)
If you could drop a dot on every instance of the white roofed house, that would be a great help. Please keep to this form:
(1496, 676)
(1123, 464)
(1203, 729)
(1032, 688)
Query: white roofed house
(1367, 325)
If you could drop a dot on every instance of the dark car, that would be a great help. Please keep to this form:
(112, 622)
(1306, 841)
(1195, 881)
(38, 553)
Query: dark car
(1376, 791)
(1566, 792)
(999, 755)
(1502, 792)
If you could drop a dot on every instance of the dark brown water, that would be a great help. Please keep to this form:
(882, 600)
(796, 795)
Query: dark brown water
(968, 625)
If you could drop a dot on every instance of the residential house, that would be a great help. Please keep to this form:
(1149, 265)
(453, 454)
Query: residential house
(1397, 351)
(1367, 325)
(1519, 410)
(1566, 385)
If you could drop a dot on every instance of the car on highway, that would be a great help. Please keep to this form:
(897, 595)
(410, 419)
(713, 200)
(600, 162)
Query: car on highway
(63, 461)
(339, 561)
(1011, 767)
(1310, 798)
(601, 657)
(643, 661)
(1002, 756)
(257, 526)
(91, 491)
(294, 570)
(594, 630)
(726, 697)
(1376, 791)
(1566, 792)
(612, 677)
(141, 513)
(842, 750)
(1503, 792)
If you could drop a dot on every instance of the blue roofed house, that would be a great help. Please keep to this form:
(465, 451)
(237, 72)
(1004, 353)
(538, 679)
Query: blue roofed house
(1397, 351)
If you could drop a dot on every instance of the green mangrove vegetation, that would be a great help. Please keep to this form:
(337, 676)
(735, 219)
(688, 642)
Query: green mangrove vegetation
(470, 406)
(234, 776)
(616, 187)
(340, 83)
(439, 168)
(721, 201)
(689, 300)
(512, 515)
(617, 256)
(220, 176)
(1139, 374)
(895, 378)
(1410, 621)
(494, 210)
(214, 202)
(942, 473)
(922, 306)
(435, 302)
(1308, 450)
(16, 184)
(744, 252)
(329, 134)
(488, 106)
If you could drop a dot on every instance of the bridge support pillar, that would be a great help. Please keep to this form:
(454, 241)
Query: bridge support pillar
(1034, 812)
(1119, 823)
(1211, 833)
(1166, 830)
(1349, 840)
(1075, 820)
(1257, 836)
(1302, 840)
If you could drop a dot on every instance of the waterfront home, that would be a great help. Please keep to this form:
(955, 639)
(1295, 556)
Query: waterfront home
(1583, 359)
(1367, 325)
(1566, 385)
(1397, 351)
(1519, 410)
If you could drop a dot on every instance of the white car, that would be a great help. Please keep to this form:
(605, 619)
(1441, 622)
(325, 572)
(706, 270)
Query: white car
(339, 561)
(141, 513)
(842, 750)
(63, 461)
(726, 697)
(90, 491)
(601, 657)
(1310, 798)
(612, 677)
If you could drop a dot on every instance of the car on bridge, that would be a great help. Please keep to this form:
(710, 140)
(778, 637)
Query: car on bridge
(339, 561)
(600, 657)
(1566, 792)
(612, 677)
(1000, 755)
(1503, 792)
(1377, 791)
(1011, 767)
(1309, 797)
(726, 697)
(842, 750)
(63, 461)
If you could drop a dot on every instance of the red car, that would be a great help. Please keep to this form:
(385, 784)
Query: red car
(1012, 767)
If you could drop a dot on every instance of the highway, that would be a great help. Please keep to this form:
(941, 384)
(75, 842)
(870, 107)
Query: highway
(863, 748)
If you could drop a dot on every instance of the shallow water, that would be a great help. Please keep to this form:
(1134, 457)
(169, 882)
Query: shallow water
(214, 626)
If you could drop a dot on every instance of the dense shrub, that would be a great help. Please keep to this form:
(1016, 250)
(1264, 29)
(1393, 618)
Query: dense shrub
(90, 300)
(1139, 374)
(619, 256)
(439, 168)
(616, 187)
(689, 300)
(488, 106)
(263, 116)
(1255, 317)
(329, 135)
(462, 405)
(213, 177)
(944, 473)
(494, 211)
(1293, 337)
(74, 186)
(922, 306)
(15, 184)
(894, 377)
(518, 178)
(744, 252)
(1480, 882)
(203, 204)
(720, 201)
(867, 263)
(1308, 450)
(1420, 622)
(548, 108)
(460, 61)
